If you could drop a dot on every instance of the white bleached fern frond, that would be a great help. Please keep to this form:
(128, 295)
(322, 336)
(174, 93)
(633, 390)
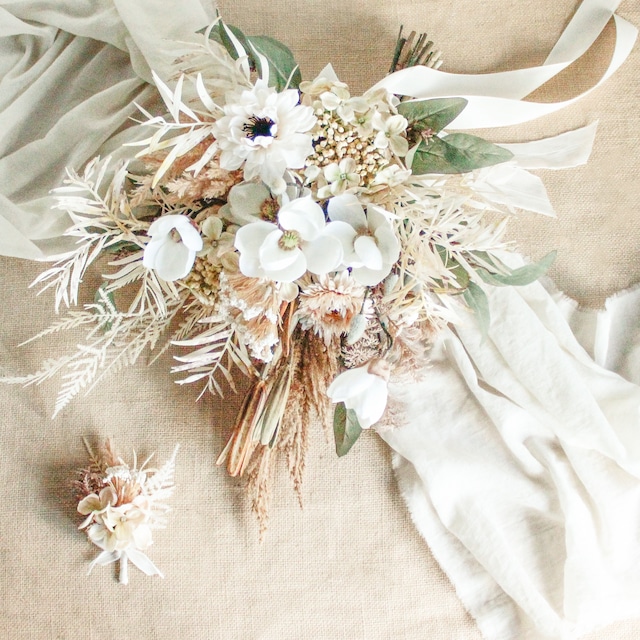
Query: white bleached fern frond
(218, 351)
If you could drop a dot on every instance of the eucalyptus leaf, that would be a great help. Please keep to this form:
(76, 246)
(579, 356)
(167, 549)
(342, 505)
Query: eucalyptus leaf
(346, 428)
(452, 265)
(220, 35)
(283, 70)
(433, 114)
(522, 275)
(478, 302)
(457, 153)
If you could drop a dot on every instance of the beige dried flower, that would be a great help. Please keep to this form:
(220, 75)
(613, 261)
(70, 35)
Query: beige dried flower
(328, 304)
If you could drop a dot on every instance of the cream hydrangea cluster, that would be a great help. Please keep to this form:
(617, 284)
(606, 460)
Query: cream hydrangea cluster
(354, 137)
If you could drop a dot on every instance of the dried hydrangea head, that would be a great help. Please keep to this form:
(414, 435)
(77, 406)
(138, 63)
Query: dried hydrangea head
(122, 505)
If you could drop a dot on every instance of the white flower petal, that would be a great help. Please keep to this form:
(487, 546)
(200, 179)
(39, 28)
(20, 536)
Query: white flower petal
(174, 261)
(347, 208)
(370, 277)
(273, 257)
(388, 244)
(151, 250)
(292, 272)
(304, 216)
(371, 405)
(368, 252)
(346, 234)
(249, 238)
(323, 255)
(190, 236)
(348, 383)
(245, 201)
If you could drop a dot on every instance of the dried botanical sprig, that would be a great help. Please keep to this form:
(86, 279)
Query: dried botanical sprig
(122, 505)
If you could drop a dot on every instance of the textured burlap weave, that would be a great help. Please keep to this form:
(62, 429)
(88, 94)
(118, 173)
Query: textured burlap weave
(350, 564)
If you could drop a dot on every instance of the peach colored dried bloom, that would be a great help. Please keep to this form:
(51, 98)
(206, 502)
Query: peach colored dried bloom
(329, 303)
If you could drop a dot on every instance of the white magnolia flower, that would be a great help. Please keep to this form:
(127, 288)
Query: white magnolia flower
(371, 247)
(172, 249)
(267, 132)
(390, 134)
(363, 389)
(300, 241)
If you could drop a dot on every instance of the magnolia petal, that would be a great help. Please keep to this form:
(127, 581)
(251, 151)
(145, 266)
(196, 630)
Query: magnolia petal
(370, 406)
(173, 261)
(290, 273)
(249, 238)
(190, 236)
(347, 208)
(346, 235)
(304, 216)
(323, 254)
(272, 256)
(370, 277)
(388, 244)
(164, 224)
(245, 201)
(151, 250)
(368, 252)
(348, 383)
(249, 266)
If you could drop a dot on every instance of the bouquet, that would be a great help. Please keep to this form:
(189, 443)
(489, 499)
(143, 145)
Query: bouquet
(287, 231)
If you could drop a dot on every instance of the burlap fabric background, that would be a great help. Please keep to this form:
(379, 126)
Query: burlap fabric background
(350, 564)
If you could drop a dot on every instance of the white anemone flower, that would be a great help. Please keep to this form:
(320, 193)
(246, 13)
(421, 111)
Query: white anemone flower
(300, 241)
(172, 249)
(265, 131)
(371, 248)
(363, 389)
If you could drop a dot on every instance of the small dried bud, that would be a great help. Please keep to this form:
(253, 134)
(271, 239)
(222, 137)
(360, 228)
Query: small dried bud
(357, 329)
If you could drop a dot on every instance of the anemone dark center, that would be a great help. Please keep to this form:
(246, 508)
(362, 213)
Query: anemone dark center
(257, 127)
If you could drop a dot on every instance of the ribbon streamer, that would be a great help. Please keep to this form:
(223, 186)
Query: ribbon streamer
(496, 99)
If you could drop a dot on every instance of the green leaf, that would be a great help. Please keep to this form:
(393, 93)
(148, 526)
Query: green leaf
(457, 153)
(478, 302)
(452, 265)
(433, 114)
(222, 36)
(122, 245)
(346, 428)
(283, 70)
(521, 276)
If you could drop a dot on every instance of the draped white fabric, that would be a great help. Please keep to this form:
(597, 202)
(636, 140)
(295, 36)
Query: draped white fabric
(518, 456)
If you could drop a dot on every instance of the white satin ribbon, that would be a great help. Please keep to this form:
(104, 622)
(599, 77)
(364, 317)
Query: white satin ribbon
(496, 99)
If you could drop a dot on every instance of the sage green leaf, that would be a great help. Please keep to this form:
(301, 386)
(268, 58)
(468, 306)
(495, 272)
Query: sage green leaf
(283, 71)
(346, 428)
(522, 275)
(121, 245)
(433, 114)
(457, 153)
(452, 265)
(478, 302)
(220, 35)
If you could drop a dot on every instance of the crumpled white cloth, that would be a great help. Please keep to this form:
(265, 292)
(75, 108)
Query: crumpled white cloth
(519, 459)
